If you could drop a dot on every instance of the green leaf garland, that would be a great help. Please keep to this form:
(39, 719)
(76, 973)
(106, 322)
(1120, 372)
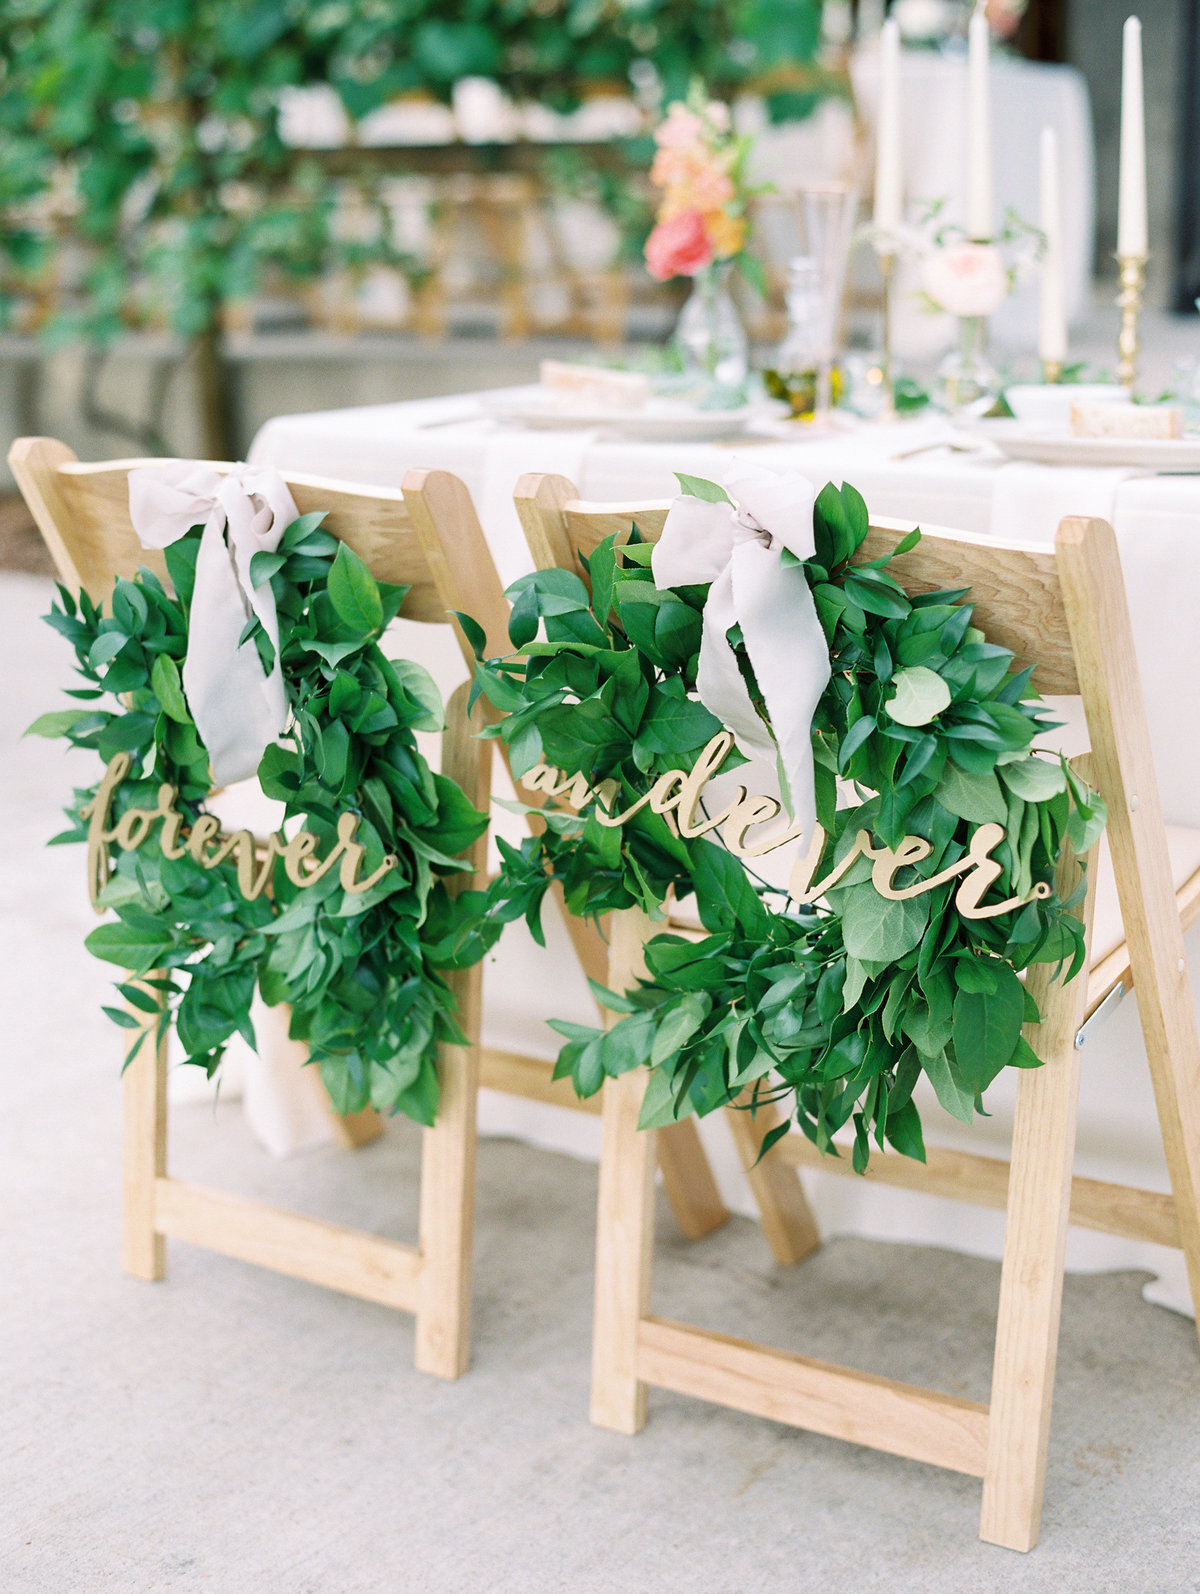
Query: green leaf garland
(363, 974)
(834, 1010)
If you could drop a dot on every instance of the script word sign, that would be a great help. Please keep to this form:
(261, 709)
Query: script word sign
(678, 793)
(206, 844)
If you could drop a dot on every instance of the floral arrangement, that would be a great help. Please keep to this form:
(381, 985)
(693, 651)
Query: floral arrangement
(972, 277)
(700, 166)
(832, 1001)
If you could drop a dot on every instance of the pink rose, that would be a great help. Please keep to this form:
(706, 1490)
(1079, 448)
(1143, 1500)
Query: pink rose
(965, 278)
(678, 247)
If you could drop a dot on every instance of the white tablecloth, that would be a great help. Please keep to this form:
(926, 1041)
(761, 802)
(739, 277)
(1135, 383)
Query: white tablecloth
(1157, 520)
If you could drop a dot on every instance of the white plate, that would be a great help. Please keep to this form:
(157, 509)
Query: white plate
(661, 421)
(1018, 440)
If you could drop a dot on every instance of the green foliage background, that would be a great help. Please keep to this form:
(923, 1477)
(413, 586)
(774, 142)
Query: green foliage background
(834, 1010)
(362, 973)
(159, 124)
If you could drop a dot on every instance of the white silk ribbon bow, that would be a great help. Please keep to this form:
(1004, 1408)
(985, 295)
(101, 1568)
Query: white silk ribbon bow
(737, 548)
(239, 709)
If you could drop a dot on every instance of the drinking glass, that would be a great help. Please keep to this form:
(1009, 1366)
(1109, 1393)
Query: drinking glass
(825, 214)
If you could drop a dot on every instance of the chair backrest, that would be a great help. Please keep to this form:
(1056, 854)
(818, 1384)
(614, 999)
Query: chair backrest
(1015, 587)
(82, 512)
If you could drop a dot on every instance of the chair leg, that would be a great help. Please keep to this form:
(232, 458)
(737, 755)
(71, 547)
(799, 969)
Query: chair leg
(624, 1255)
(1090, 571)
(448, 1218)
(688, 1181)
(1031, 1282)
(786, 1217)
(144, 1157)
(1035, 1243)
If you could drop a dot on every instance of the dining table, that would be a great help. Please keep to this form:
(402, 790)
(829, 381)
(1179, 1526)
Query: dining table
(928, 469)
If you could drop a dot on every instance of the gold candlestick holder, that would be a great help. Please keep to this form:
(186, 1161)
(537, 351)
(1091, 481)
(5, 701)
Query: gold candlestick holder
(1052, 371)
(887, 266)
(1129, 301)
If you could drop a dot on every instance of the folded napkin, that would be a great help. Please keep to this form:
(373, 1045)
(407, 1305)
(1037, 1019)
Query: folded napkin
(1029, 500)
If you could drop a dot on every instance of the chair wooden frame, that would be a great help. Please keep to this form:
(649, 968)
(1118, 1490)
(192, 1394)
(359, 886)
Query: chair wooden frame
(1063, 608)
(444, 515)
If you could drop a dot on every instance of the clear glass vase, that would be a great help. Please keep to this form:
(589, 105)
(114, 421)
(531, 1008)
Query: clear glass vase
(966, 373)
(709, 334)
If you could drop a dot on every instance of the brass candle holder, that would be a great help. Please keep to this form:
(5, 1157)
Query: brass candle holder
(887, 265)
(1129, 301)
(1052, 371)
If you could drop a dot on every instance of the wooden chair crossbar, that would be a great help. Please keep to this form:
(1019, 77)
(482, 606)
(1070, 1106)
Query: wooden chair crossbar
(1062, 609)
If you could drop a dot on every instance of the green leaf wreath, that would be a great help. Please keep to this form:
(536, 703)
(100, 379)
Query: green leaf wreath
(360, 972)
(834, 1010)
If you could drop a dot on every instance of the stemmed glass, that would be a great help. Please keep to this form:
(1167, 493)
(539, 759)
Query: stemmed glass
(825, 215)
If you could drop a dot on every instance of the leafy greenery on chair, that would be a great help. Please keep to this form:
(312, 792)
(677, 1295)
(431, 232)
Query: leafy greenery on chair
(836, 1008)
(361, 972)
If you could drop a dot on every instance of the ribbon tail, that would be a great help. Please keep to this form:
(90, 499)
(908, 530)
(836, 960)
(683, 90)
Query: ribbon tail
(237, 495)
(225, 682)
(719, 682)
(790, 658)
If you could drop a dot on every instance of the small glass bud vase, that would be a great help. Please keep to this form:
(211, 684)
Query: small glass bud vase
(709, 334)
(966, 374)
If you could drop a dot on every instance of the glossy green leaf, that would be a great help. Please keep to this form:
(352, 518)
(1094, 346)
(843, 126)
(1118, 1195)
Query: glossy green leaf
(168, 689)
(354, 592)
(919, 696)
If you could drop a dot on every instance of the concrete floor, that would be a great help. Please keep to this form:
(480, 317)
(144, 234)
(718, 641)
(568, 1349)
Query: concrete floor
(233, 1432)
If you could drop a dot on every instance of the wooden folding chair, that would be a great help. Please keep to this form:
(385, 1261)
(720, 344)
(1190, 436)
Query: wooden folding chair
(83, 514)
(444, 515)
(1064, 610)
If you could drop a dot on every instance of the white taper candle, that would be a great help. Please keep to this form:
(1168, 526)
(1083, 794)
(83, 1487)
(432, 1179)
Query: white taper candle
(1131, 212)
(1052, 328)
(889, 179)
(980, 211)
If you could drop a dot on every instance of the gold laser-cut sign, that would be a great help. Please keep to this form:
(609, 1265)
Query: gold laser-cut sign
(255, 859)
(678, 792)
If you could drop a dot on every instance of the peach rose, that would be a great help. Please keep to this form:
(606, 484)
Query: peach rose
(681, 128)
(678, 247)
(965, 278)
(701, 178)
